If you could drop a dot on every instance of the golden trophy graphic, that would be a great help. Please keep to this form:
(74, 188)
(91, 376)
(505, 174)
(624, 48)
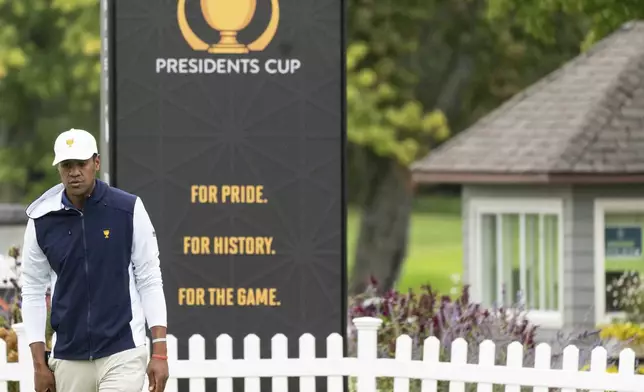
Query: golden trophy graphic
(228, 17)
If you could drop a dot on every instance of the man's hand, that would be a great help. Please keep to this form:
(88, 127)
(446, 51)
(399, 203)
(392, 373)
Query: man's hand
(157, 374)
(44, 379)
(43, 376)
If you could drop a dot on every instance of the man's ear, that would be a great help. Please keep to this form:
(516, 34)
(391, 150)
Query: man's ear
(97, 162)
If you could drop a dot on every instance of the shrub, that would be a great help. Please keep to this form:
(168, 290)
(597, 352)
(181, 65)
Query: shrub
(6, 331)
(428, 313)
(628, 333)
(627, 293)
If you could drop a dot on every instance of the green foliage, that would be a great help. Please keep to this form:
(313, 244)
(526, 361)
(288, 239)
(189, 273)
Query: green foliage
(542, 18)
(50, 68)
(413, 63)
(385, 115)
(380, 118)
(413, 68)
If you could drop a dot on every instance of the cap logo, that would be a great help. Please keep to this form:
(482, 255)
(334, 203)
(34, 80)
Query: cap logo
(70, 142)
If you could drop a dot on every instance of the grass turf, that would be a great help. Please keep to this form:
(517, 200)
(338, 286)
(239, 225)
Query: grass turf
(434, 252)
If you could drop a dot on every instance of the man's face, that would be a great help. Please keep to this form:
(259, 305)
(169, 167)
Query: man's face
(78, 176)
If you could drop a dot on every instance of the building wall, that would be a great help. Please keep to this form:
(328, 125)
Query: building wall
(583, 252)
(578, 224)
(13, 222)
(10, 235)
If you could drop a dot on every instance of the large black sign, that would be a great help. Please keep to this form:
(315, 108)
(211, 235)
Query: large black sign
(227, 118)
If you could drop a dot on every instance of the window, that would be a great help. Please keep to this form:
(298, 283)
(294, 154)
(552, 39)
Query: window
(518, 255)
(618, 236)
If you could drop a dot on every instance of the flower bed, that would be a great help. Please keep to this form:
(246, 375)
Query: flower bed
(625, 335)
(429, 313)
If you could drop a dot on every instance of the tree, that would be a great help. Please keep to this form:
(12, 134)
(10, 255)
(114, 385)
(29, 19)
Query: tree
(389, 128)
(599, 17)
(50, 72)
(418, 72)
(392, 132)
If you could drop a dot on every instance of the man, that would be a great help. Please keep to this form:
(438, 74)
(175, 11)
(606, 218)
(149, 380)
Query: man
(95, 246)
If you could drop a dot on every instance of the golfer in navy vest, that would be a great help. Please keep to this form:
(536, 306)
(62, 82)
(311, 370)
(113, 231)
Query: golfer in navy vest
(95, 246)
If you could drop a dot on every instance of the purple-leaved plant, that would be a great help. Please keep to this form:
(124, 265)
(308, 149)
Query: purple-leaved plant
(427, 313)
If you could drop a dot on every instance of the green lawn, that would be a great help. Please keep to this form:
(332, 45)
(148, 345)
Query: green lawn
(435, 251)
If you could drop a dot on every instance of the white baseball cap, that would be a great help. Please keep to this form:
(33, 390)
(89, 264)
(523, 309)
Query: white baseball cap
(74, 144)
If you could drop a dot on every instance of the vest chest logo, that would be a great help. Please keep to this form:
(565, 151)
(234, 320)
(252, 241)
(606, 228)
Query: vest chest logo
(106, 233)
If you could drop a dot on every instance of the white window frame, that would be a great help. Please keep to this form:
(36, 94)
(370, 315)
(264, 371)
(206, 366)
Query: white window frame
(479, 206)
(602, 207)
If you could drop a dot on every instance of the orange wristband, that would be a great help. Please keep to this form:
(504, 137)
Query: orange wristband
(161, 357)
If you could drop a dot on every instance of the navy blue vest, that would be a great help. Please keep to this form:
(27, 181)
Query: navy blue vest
(90, 252)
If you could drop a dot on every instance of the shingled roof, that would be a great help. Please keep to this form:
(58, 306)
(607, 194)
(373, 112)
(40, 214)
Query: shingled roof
(585, 120)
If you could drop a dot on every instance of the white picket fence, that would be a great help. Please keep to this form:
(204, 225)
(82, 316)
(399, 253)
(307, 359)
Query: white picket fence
(366, 366)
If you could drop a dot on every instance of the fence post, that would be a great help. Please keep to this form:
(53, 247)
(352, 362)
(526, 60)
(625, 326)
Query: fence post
(25, 360)
(367, 351)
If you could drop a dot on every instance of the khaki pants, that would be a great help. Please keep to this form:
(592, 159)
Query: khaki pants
(120, 372)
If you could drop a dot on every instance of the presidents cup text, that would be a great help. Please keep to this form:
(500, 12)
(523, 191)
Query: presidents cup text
(227, 66)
